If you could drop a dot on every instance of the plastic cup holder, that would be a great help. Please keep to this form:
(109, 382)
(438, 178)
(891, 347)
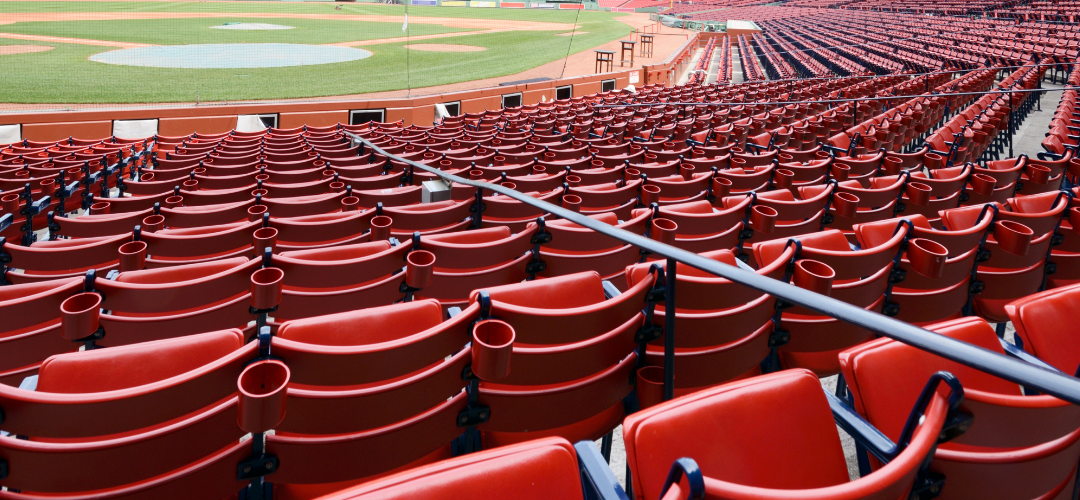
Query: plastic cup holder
(266, 285)
(840, 171)
(933, 161)
(983, 184)
(1074, 167)
(174, 201)
(80, 315)
(100, 208)
(650, 386)
(132, 256)
(10, 202)
(255, 212)
(572, 202)
(687, 172)
(380, 227)
(650, 193)
(155, 222)
(263, 386)
(845, 204)
(493, 344)
(927, 257)
(48, 186)
(721, 187)
(814, 275)
(763, 218)
(264, 237)
(663, 230)
(918, 193)
(1038, 174)
(783, 178)
(419, 269)
(892, 165)
(1013, 237)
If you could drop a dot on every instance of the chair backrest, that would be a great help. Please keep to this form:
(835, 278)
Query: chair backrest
(541, 469)
(365, 326)
(479, 248)
(569, 343)
(767, 437)
(103, 370)
(861, 275)
(885, 377)
(562, 309)
(1044, 322)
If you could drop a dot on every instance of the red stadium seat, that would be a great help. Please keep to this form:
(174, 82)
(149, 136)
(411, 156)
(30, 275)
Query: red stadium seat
(569, 343)
(862, 278)
(540, 469)
(1034, 437)
(720, 427)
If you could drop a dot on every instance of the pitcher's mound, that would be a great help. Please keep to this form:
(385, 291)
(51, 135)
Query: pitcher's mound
(6, 50)
(445, 47)
(231, 55)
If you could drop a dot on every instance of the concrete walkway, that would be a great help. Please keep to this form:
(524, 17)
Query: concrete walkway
(714, 65)
(1028, 138)
(685, 76)
(736, 65)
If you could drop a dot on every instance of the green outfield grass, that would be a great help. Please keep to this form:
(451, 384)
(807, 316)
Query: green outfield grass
(197, 30)
(65, 75)
(558, 16)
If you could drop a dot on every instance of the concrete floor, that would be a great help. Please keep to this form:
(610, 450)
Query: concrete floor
(689, 71)
(1028, 138)
(714, 66)
(736, 65)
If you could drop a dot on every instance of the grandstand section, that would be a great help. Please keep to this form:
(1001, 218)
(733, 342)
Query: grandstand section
(812, 249)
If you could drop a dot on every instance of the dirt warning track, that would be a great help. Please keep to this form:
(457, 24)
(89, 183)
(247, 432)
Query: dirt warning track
(449, 22)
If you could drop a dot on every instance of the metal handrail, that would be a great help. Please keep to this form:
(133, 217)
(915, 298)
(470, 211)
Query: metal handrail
(838, 100)
(1045, 380)
(871, 77)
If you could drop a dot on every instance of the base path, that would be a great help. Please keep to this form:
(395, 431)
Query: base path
(78, 41)
(378, 41)
(444, 47)
(7, 50)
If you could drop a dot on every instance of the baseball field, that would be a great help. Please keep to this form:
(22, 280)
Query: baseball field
(173, 51)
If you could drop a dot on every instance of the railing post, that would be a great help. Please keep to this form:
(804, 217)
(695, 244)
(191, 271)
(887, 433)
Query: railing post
(669, 329)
